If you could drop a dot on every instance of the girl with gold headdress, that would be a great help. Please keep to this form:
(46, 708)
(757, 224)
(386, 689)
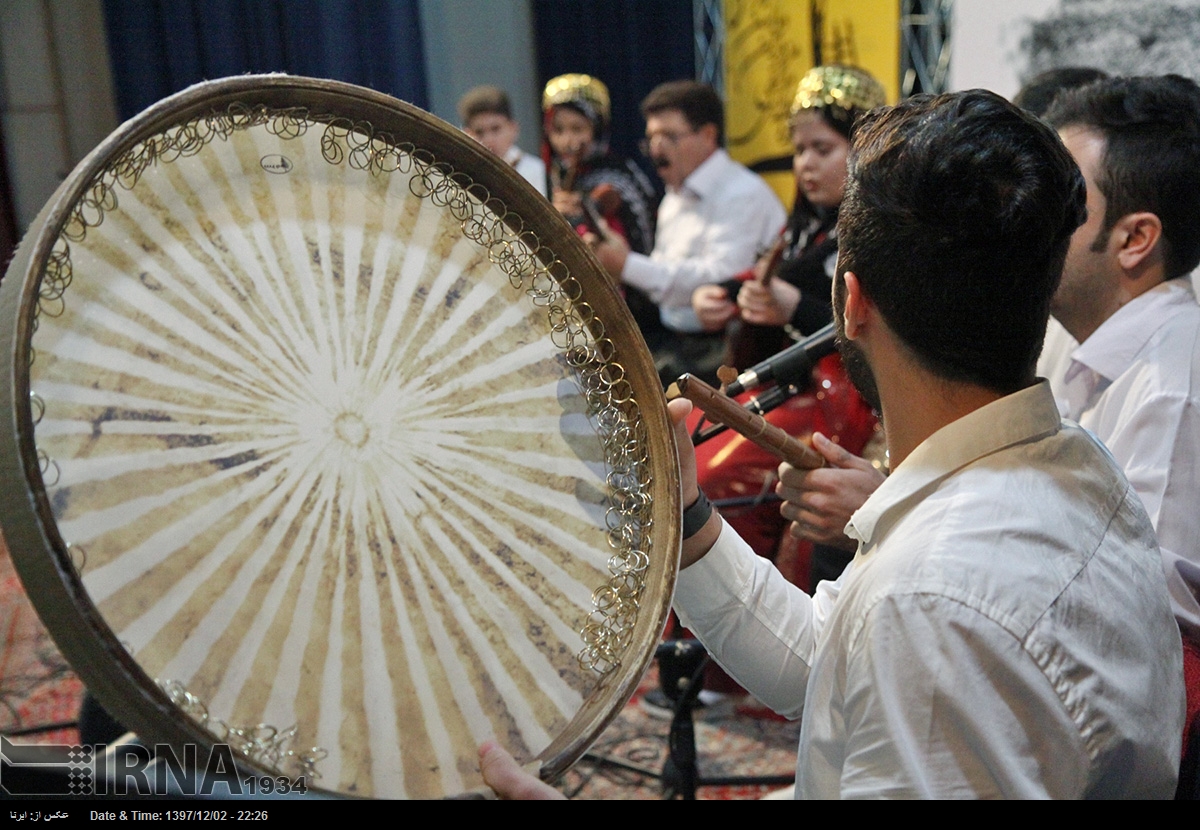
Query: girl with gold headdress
(796, 302)
(581, 168)
(829, 99)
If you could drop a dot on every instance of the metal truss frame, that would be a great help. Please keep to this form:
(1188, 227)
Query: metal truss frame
(924, 45)
(708, 24)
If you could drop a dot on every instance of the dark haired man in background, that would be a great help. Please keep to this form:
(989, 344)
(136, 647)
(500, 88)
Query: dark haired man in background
(1038, 93)
(1126, 298)
(1004, 629)
(715, 219)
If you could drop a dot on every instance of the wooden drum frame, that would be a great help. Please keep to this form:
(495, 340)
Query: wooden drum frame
(327, 438)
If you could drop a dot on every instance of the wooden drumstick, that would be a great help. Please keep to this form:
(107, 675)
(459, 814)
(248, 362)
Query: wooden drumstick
(725, 410)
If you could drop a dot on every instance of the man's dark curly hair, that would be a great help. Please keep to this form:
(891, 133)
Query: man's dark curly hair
(1038, 93)
(956, 220)
(1151, 162)
(698, 102)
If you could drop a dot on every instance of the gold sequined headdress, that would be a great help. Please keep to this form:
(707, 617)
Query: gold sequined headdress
(835, 88)
(576, 89)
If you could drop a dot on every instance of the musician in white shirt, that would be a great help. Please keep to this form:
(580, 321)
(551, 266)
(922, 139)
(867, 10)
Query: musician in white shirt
(1004, 629)
(713, 222)
(1125, 297)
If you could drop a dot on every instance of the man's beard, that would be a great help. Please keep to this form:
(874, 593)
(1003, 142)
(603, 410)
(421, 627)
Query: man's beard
(853, 360)
(858, 370)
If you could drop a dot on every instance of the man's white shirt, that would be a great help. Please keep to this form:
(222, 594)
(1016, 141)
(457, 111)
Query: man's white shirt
(1003, 630)
(531, 168)
(1135, 383)
(710, 229)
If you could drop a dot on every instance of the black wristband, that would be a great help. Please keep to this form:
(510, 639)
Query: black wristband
(696, 516)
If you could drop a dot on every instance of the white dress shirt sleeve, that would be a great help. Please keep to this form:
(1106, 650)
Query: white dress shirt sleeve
(756, 624)
(938, 701)
(723, 245)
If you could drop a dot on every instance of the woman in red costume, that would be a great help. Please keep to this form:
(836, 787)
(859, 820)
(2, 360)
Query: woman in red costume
(794, 303)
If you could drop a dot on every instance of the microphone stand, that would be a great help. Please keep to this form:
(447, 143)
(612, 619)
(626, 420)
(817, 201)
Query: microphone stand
(791, 368)
(681, 677)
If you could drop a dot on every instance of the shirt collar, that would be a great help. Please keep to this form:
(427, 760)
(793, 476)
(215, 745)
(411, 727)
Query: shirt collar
(1114, 346)
(701, 181)
(1018, 418)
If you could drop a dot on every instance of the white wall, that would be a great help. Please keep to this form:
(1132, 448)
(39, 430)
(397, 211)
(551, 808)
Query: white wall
(992, 44)
(56, 100)
(473, 42)
(985, 41)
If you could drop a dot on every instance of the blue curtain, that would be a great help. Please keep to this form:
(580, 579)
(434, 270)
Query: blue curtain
(631, 45)
(159, 47)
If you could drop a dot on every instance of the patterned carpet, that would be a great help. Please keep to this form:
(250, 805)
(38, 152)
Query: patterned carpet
(739, 739)
(37, 687)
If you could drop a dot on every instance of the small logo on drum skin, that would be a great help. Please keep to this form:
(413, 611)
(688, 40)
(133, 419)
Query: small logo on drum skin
(276, 164)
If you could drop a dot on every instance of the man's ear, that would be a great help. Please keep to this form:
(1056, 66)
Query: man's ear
(858, 306)
(1138, 236)
(709, 131)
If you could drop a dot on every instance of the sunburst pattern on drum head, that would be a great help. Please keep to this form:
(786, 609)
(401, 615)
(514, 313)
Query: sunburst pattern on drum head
(324, 455)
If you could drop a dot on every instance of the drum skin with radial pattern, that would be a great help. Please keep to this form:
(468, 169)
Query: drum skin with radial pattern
(333, 443)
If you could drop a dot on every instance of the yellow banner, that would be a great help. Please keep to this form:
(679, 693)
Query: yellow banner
(770, 44)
